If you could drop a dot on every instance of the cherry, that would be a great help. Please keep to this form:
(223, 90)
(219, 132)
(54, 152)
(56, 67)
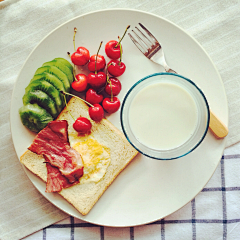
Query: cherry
(113, 87)
(116, 68)
(82, 125)
(112, 48)
(111, 105)
(80, 57)
(80, 83)
(93, 97)
(100, 63)
(97, 80)
(97, 62)
(96, 112)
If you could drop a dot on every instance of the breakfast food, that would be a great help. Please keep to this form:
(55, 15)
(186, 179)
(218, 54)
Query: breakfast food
(80, 153)
(80, 83)
(113, 48)
(105, 153)
(97, 79)
(113, 87)
(42, 101)
(64, 164)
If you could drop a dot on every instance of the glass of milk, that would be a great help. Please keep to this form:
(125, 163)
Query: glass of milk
(165, 116)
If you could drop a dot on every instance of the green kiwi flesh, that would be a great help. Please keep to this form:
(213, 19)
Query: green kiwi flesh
(62, 67)
(42, 99)
(65, 62)
(51, 79)
(49, 89)
(34, 117)
(57, 73)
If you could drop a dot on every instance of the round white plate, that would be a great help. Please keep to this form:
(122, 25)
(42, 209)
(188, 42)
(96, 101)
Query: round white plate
(147, 190)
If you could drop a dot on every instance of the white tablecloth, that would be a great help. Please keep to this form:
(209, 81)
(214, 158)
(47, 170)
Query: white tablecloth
(213, 214)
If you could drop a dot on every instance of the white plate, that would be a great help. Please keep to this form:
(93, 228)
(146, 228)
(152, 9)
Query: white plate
(147, 190)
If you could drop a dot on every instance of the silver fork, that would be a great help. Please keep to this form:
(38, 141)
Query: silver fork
(149, 46)
(152, 49)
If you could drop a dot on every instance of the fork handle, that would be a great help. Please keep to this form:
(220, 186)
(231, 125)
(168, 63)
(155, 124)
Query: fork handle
(217, 127)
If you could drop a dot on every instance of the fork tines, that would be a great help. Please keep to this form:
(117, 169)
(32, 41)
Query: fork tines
(145, 42)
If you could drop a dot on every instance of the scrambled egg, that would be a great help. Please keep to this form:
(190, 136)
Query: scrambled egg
(96, 159)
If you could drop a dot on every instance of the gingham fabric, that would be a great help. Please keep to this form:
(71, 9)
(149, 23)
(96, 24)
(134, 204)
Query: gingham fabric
(213, 214)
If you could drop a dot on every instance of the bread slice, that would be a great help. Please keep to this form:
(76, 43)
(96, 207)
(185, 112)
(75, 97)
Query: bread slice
(84, 196)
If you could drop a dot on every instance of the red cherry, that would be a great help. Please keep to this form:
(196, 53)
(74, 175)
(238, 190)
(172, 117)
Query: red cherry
(96, 112)
(82, 125)
(93, 97)
(116, 87)
(116, 68)
(80, 57)
(111, 50)
(111, 106)
(97, 80)
(80, 84)
(101, 63)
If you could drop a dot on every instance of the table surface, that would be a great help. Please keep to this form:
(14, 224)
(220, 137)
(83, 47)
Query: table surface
(215, 212)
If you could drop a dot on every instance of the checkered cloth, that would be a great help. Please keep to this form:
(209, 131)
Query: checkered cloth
(213, 214)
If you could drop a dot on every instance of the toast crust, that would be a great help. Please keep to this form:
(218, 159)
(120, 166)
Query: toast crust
(84, 196)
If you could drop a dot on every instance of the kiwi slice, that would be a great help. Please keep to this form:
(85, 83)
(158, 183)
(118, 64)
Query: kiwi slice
(49, 89)
(51, 79)
(66, 62)
(57, 73)
(34, 117)
(42, 99)
(61, 67)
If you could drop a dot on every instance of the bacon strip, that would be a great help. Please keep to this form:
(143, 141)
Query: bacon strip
(52, 142)
(55, 180)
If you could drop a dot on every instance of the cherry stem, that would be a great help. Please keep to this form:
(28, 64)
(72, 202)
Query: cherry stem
(109, 82)
(123, 35)
(108, 73)
(65, 93)
(67, 105)
(74, 67)
(111, 91)
(108, 67)
(119, 63)
(75, 30)
(97, 56)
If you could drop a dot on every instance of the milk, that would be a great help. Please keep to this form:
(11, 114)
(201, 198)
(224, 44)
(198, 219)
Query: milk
(163, 116)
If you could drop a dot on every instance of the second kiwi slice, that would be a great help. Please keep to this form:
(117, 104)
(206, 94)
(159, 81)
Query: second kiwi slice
(57, 73)
(61, 67)
(66, 62)
(49, 78)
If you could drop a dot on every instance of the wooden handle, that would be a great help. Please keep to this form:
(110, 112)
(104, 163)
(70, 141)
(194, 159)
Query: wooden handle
(217, 127)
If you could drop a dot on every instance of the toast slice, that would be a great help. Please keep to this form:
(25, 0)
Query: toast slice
(83, 196)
